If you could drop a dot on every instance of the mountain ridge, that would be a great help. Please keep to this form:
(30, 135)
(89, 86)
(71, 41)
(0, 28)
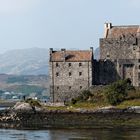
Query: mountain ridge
(32, 61)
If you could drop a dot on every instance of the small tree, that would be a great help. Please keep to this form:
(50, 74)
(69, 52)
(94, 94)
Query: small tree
(117, 91)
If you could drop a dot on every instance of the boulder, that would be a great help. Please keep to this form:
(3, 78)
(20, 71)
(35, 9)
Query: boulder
(22, 106)
(135, 109)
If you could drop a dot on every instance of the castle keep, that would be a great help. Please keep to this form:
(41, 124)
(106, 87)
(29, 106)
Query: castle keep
(70, 72)
(73, 71)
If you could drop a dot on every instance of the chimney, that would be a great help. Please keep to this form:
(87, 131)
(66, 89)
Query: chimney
(107, 26)
(51, 51)
(63, 50)
(91, 49)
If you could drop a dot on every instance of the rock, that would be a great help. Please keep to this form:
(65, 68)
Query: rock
(22, 106)
(108, 109)
(135, 109)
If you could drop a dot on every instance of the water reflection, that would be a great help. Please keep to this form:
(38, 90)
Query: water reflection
(71, 134)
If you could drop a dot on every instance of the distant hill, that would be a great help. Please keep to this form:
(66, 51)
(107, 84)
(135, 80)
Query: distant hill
(33, 61)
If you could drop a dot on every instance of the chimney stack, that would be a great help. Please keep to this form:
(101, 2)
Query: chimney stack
(51, 51)
(107, 27)
(63, 54)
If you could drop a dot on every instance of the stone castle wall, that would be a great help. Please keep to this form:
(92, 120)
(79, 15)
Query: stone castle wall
(118, 48)
(69, 78)
(124, 53)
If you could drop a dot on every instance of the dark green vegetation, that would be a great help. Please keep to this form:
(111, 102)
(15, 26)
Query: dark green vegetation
(119, 93)
(33, 102)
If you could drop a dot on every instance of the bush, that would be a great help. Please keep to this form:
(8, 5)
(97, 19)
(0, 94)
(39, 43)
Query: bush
(117, 92)
(73, 101)
(33, 102)
(84, 96)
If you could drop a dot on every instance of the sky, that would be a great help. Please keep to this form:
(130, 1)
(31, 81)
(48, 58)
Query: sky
(70, 24)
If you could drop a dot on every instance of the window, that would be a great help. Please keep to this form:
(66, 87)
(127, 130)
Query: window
(80, 73)
(80, 64)
(57, 65)
(80, 87)
(129, 65)
(69, 87)
(139, 76)
(57, 74)
(69, 64)
(69, 73)
(57, 88)
(134, 48)
(108, 55)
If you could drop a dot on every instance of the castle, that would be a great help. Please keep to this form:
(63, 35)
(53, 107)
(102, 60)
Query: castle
(73, 71)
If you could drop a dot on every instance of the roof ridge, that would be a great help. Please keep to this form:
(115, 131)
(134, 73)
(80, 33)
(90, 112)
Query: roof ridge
(126, 26)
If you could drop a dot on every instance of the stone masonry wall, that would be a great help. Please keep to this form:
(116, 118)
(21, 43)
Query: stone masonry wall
(118, 48)
(69, 79)
(125, 54)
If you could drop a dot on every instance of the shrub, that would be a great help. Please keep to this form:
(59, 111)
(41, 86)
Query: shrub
(117, 92)
(33, 102)
(84, 96)
(73, 101)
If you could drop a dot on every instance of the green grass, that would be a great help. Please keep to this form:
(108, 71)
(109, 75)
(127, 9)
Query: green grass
(90, 105)
(128, 103)
(98, 100)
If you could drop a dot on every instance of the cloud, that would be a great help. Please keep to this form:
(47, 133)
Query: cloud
(16, 6)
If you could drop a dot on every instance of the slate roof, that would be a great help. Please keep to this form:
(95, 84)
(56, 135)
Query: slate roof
(117, 31)
(72, 56)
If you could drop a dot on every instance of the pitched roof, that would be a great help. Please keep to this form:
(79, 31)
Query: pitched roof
(117, 31)
(72, 56)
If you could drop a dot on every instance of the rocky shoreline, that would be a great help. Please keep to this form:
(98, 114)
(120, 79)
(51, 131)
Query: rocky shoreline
(42, 118)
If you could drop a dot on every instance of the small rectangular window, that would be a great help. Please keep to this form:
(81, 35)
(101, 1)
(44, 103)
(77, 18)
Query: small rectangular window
(69, 73)
(134, 48)
(139, 76)
(80, 87)
(69, 64)
(57, 65)
(57, 88)
(80, 73)
(107, 55)
(80, 64)
(57, 74)
(69, 87)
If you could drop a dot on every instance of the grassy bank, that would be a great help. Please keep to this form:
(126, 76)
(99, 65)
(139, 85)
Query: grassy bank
(95, 98)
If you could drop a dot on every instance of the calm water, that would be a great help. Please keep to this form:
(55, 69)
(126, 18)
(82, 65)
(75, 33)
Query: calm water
(71, 134)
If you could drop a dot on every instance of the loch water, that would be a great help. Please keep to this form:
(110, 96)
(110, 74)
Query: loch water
(118, 133)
